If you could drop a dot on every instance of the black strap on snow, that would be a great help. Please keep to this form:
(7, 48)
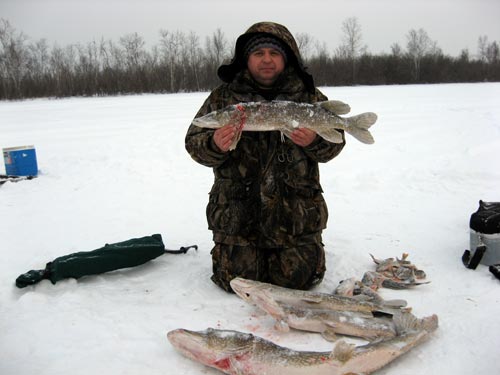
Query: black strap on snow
(495, 270)
(4, 178)
(182, 250)
(473, 262)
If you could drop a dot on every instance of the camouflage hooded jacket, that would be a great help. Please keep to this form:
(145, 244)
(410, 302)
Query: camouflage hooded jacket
(267, 190)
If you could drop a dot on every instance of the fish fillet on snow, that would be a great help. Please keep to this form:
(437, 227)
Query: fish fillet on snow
(286, 116)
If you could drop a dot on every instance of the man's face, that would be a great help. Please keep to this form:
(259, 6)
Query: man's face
(265, 65)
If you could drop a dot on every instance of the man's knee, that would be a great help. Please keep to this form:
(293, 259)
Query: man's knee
(299, 267)
(230, 261)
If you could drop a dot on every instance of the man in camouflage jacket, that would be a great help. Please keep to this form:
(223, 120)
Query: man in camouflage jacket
(266, 208)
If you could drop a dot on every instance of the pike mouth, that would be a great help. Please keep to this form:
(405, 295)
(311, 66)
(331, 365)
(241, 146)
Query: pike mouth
(189, 343)
(205, 123)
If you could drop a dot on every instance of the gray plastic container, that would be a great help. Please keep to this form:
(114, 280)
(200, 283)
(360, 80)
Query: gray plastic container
(492, 243)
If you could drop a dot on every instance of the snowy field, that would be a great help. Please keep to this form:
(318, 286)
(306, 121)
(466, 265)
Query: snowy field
(115, 168)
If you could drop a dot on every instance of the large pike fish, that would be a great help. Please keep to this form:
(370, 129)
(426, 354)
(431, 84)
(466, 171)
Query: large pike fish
(340, 315)
(261, 293)
(286, 116)
(238, 353)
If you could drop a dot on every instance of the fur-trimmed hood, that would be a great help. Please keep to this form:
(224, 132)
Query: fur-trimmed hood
(228, 72)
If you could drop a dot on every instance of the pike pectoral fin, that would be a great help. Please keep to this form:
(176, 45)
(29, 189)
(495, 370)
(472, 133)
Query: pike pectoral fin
(311, 300)
(281, 326)
(286, 132)
(329, 334)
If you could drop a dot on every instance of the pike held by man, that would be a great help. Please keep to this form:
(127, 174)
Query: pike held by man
(286, 116)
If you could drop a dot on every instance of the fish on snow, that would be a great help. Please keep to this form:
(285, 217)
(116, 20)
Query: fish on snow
(336, 315)
(261, 293)
(238, 353)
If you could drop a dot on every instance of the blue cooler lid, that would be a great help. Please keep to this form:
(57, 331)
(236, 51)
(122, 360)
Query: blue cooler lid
(18, 148)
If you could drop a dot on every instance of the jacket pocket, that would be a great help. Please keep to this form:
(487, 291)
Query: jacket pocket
(305, 208)
(230, 209)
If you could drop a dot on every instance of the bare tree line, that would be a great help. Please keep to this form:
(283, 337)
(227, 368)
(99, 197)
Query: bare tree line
(183, 62)
(422, 61)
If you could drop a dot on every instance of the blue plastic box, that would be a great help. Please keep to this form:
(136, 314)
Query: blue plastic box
(20, 161)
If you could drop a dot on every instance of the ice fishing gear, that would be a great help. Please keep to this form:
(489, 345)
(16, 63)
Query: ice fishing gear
(495, 270)
(5, 177)
(484, 236)
(182, 250)
(130, 253)
(473, 261)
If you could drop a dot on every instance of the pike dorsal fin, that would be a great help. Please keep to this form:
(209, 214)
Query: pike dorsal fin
(311, 299)
(335, 106)
(329, 334)
(281, 326)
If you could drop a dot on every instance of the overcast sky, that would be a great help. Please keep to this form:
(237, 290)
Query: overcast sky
(453, 24)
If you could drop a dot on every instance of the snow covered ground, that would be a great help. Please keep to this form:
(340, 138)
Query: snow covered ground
(115, 168)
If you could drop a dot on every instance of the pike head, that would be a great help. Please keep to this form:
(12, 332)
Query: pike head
(218, 119)
(208, 121)
(256, 293)
(224, 350)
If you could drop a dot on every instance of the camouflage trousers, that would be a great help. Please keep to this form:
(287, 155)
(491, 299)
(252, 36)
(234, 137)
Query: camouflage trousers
(298, 267)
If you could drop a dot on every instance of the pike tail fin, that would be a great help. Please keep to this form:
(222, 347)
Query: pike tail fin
(395, 303)
(358, 126)
(407, 322)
